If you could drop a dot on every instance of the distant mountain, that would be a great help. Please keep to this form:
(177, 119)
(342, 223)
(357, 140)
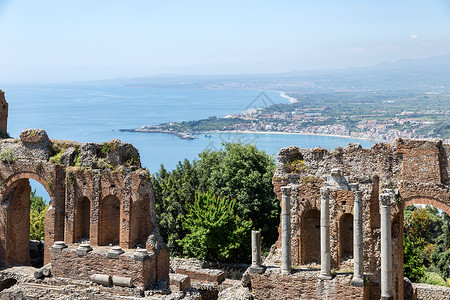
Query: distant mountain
(411, 75)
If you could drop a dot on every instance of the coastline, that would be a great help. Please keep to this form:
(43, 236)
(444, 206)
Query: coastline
(191, 135)
(291, 99)
(292, 133)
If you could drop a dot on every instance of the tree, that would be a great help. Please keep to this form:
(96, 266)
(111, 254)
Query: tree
(413, 267)
(237, 171)
(38, 208)
(174, 191)
(216, 232)
(244, 173)
(441, 254)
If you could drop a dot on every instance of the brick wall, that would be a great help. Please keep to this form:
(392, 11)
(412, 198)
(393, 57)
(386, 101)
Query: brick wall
(304, 285)
(417, 169)
(69, 264)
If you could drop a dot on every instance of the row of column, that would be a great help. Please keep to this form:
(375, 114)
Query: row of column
(325, 256)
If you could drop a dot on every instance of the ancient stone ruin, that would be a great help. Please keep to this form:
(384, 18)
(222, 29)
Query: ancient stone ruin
(342, 219)
(101, 219)
(341, 226)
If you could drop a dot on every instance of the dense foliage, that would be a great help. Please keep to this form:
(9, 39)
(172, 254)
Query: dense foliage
(426, 245)
(216, 232)
(38, 208)
(174, 190)
(239, 172)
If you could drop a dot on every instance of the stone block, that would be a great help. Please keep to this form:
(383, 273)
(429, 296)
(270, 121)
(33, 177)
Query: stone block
(83, 249)
(206, 275)
(115, 252)
(179, 282)
(34, 136)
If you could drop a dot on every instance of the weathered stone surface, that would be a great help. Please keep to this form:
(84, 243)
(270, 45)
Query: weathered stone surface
(409, 290)
(36, 136)
(431, 292)
(69, 156)
(122, 153)
(206, 275)
(416, 170)
(236, 292)
(98, 193)
(68, 264)
(233, 271)
(179, 282)
(87, 154)
(304, 285)
(3, 113)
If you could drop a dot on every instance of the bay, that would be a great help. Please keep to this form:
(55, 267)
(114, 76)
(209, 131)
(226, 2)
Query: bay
(94, 112)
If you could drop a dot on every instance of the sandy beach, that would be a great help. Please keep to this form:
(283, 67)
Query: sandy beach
(292, 133)
(291, 99)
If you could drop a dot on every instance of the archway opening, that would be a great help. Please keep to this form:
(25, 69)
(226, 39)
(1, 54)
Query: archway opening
(346, 237)
(110, 221)
(82, 220)
(39, 203)
(24, 209)
(311, 237)
(140, 224)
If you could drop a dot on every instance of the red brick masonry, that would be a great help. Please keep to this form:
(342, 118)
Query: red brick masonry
(69, 264)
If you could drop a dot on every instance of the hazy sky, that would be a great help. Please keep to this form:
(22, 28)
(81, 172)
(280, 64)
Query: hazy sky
(80, 40)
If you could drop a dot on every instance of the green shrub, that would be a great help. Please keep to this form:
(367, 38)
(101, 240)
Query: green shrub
(7, 155)
(106, 148)
(296, 166)
(101, 163)
(56, 159)
(433, 278)
(216, 232)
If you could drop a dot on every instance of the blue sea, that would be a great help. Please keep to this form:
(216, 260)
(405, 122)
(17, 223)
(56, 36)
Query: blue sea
(94, 112)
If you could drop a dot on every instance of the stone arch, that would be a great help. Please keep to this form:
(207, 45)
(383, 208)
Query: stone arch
(110, 221)
(82, 220)
(15, 213)
(345, 236)
(310, 236)
(426, 200)
(9, 182)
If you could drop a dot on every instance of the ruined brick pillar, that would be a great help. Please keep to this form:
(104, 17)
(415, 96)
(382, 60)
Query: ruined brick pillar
(386, 248)
(3, 113)
(285, 230)
(325, 257)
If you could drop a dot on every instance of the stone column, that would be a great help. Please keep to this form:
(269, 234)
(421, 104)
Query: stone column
(386, 248)
(285, 230)
(256, 266)
(325, 265)
(358, 269)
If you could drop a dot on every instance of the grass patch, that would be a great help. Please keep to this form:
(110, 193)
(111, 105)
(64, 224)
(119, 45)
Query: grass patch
(433, 278)
(7, 155)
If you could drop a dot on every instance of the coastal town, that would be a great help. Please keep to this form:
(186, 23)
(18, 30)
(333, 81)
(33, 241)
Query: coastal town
(385, 121)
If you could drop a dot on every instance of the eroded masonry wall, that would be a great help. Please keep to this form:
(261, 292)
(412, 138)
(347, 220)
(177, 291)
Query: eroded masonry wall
(98, 194)
(415, 170)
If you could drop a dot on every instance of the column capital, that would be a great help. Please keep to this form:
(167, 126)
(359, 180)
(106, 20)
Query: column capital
(357, 196)
(385, 199)
(324, 192)
(285, 190)
(353, 186)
